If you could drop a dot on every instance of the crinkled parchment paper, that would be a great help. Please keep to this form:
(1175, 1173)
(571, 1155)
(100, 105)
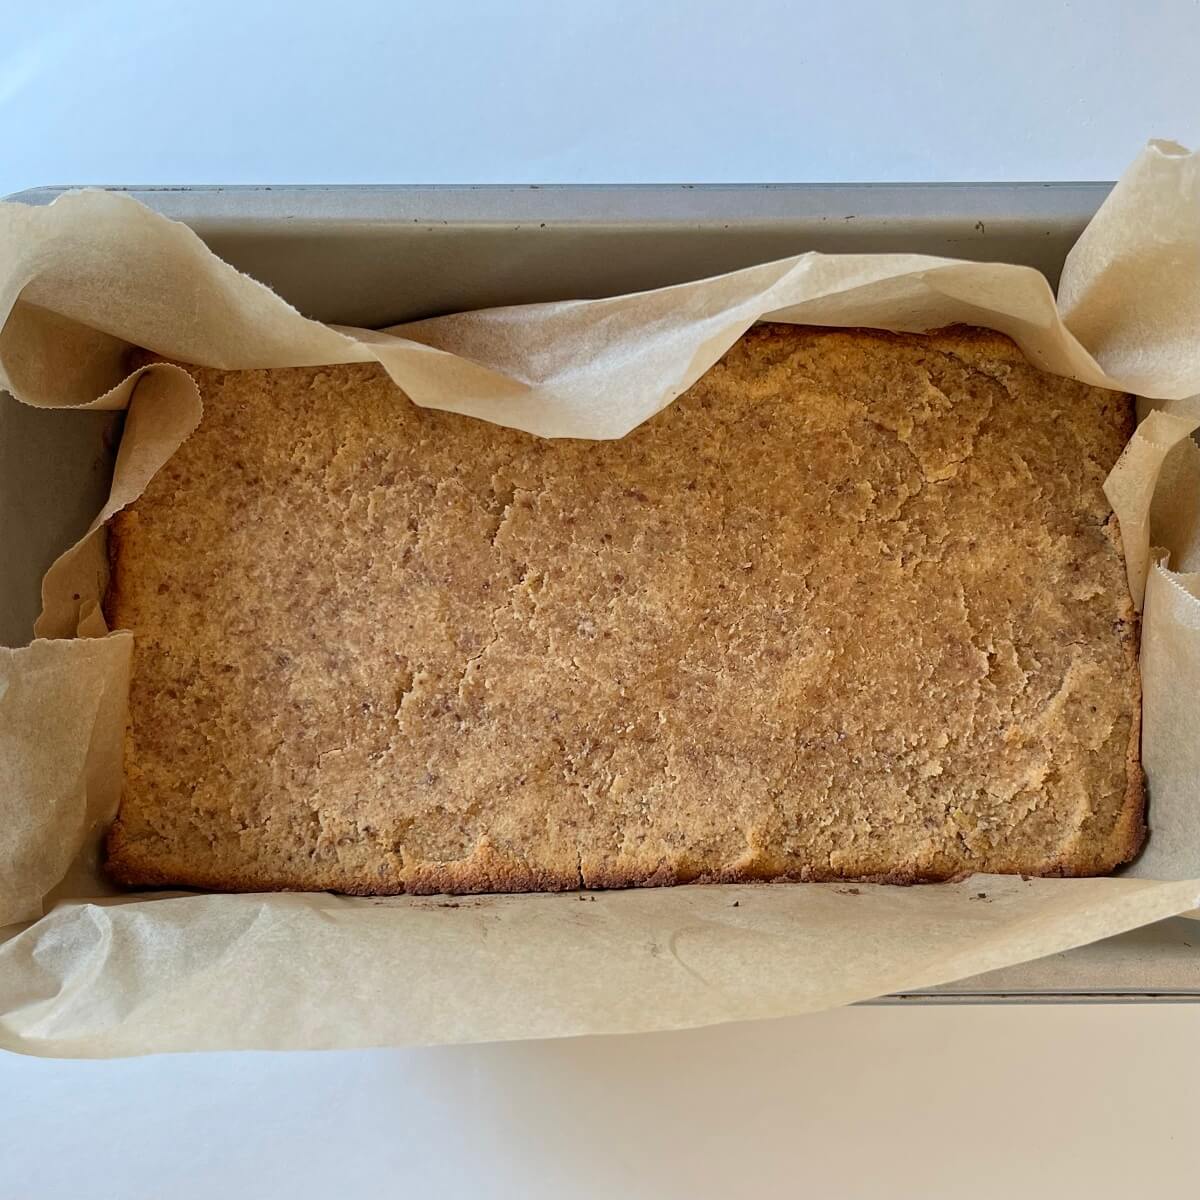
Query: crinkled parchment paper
(87, 972)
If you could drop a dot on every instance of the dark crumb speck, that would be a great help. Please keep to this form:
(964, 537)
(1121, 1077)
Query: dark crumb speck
(848, 891)
(735, 904)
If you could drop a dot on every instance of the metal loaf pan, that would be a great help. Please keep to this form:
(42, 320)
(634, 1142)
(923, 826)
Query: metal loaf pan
(376, 256)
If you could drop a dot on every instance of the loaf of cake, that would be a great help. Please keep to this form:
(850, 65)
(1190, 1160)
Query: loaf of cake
(852, 607)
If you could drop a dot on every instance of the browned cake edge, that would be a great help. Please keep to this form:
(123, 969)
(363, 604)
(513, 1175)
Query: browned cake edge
(486, 870)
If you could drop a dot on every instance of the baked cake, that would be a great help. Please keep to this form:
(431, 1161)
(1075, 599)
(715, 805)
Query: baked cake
(852, 607)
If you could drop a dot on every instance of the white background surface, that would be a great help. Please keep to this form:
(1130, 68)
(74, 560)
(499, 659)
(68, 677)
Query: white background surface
(559, 91)
(938, 1101)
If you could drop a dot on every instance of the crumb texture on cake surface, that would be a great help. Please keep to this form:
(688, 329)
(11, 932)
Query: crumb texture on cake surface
(853, 606)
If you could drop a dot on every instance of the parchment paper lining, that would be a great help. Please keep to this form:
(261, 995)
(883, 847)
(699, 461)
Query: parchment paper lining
(101, 974)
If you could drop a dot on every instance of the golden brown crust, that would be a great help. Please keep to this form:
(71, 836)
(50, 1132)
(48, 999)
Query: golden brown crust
(852, 608)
